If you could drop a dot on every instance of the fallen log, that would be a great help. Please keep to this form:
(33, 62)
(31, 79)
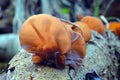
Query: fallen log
(98, 59)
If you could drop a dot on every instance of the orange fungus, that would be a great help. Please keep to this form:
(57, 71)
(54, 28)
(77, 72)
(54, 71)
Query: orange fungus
(85, 29)
(94, 23)
(49, 40)
(115, 27)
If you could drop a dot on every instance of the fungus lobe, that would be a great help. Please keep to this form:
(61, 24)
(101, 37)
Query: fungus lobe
(85, 29)
(115, 27)
(94, 23)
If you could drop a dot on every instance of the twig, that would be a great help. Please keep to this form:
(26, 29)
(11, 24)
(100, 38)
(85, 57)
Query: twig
(105, 21)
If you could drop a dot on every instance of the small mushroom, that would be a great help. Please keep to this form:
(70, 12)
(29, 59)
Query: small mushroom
(115, 27)
(94, 23)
